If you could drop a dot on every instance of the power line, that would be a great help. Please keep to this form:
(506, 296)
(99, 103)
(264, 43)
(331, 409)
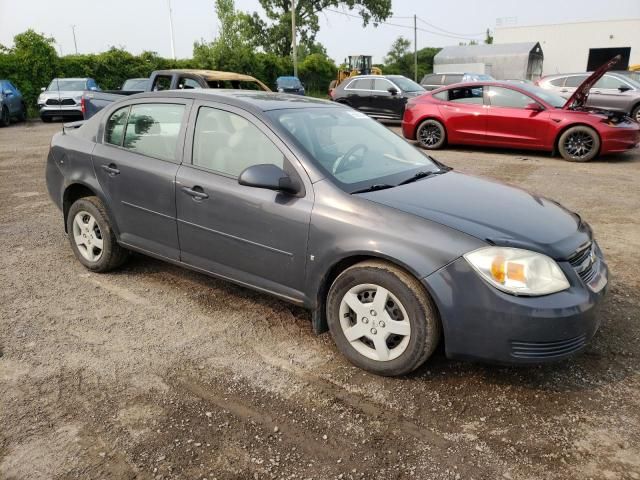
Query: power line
(457, 37)
(449, 31)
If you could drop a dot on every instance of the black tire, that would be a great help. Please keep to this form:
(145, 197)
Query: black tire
(5, 118)
(579, 144)
(431, 134)
(22, 116)
(113, 255)
(46, 119)
(635, 114)
(423, 319)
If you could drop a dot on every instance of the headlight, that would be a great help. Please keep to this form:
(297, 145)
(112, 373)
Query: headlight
(40, 99)
(517, 271)
(281, 90)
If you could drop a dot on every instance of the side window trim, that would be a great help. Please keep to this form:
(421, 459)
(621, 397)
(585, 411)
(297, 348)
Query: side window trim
(124, 130)
(361, 89)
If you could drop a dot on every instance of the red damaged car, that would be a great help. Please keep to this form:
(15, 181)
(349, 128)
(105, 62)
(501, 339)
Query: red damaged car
(514, 115)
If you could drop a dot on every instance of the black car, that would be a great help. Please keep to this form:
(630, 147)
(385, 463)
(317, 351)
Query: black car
(379, 96)
(326, 208)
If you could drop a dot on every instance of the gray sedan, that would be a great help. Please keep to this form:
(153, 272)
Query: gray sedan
(319, 205)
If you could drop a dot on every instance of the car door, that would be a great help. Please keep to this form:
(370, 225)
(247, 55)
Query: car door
(383, 102)
(358, 93)
(11, 98)
(136, 164)
(251, 235)
(569, 85)
(514, 119)
(612, 93)
(464, 114)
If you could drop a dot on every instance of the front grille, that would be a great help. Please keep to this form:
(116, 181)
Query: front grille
(542, 350)
(583, 262)
(64, 101)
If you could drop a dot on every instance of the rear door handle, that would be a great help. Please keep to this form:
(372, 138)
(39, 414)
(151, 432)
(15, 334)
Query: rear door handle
(111, 169)
(196, 192)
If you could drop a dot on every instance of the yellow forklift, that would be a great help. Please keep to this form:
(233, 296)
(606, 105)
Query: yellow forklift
(356, 65)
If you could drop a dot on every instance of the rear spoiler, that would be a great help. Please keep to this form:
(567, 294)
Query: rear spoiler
(72, 125)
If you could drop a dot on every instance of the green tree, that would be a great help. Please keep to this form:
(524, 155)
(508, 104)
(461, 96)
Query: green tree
(277, 31)
(489, 38)
(399, 48)
(316, 72)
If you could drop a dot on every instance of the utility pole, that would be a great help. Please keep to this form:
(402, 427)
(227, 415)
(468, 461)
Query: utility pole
(73, 29)
(415, 48)
(293, 38)
(173, 46)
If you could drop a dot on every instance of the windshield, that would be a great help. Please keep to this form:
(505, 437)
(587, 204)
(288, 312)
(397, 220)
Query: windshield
(67, 85)
(549, 97)
(135, 84)
(407, 85)
(288, 82)
(354, 150)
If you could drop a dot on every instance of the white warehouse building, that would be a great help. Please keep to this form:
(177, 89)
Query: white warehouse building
(577, 47)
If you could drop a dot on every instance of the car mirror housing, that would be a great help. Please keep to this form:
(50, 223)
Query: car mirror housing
(8, 93)
(624, 88)
(270, 177)
(534, 107)
(393, 90)
(42, 89)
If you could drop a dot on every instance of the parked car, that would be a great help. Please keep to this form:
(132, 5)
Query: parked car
(507, 114)
(380, 96)
(613, 91)
(635, 76)
(289, 85)
(63, 97)
(93, 102)
(11, 104)
(431, 81)
(136, 85)
(326, 208)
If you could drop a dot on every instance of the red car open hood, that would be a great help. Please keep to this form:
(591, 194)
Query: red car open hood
(579, 97)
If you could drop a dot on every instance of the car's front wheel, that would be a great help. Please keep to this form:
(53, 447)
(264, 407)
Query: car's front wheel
(431, 134)
(635, 114)
(382, 319)
(579, 144)
(92, 238)
(5, 117)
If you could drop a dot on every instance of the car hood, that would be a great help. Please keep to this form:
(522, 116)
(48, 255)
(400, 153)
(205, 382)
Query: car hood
(490, 211)
(580, 96)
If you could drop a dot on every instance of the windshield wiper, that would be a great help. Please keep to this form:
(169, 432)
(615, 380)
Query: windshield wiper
(374, 187)
(421, 175)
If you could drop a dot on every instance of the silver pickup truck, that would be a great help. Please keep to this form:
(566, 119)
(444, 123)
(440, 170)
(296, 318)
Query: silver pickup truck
(92, 102)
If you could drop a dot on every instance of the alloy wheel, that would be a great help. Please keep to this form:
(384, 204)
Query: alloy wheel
(375, 322)
(579, 144)
(87, 236)
(430, 135)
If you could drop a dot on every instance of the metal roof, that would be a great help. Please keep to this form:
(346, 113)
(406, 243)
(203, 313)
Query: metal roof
(471, 53)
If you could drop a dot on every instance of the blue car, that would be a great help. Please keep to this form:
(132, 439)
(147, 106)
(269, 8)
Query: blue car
(289, 85)
(11, 104)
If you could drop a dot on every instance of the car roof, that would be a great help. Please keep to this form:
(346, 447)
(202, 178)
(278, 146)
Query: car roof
(210, 74)
(257, 101)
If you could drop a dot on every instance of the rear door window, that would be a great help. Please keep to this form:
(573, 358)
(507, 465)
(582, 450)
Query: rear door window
(434, 79)
(450, 79)
(574, 80)
(114, 130)
(361, 84)
(471, 95)
(153, 130)
(558, 82)
(161, 82)
(188, 83)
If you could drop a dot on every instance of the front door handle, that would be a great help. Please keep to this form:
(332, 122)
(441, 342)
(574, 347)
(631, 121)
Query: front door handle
(111, 169)
(196, 192)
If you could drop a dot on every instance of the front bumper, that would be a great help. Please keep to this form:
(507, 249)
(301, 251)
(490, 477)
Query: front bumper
(51, 111)
(620, 139)
(482, 323)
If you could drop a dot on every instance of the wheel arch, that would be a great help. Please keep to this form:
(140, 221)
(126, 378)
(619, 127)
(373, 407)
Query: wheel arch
(339, 265)
(429, 116)
(556, 141)
(77, 190)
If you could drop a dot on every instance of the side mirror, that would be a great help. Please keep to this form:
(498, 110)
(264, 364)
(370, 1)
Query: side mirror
(624, 88)
(393, 90)
(8, 93)
(93, 89)
(43, 89)
(270, 177)
(534, 107)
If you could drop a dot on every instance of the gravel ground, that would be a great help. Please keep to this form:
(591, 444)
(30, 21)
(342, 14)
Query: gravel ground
(159, 372)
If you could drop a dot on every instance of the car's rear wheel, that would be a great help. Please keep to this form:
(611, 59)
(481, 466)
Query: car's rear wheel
(5, 118)
(579, 144)
(382, 319)
(431, 134)
(92, 239)
(635, 114)
(22, 116)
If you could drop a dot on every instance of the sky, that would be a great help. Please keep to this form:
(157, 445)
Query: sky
(139, 25)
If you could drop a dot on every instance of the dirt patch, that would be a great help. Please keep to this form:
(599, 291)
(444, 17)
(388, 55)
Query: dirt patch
(158, 372)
